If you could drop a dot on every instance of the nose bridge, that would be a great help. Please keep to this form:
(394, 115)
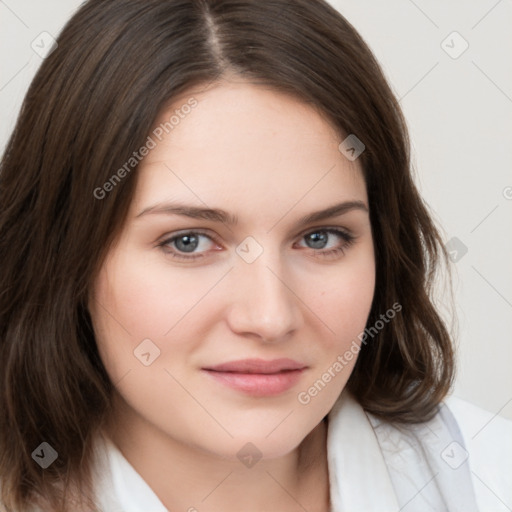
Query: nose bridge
(264, 304)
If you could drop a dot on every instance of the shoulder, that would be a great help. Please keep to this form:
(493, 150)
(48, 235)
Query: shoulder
(463, 448)
(488, 449)
(487, 434)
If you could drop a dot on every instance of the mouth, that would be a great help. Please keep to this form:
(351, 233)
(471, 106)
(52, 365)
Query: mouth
(257, 377)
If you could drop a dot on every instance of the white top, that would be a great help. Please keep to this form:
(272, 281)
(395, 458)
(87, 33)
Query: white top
(460, 461)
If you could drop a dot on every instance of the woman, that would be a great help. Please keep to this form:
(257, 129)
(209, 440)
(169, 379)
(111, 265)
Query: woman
(217, 276)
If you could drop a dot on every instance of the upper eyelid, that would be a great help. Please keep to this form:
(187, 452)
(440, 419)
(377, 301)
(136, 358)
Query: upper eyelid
(325, 228)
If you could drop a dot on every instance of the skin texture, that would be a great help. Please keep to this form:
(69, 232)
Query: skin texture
(268, 159)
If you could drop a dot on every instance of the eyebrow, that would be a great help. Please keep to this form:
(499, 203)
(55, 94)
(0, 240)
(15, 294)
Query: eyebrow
(219, 215)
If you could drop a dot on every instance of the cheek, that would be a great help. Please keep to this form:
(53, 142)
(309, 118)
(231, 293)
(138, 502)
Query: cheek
(344, 300)
(137, 299)
(341, 311)
(150, 299)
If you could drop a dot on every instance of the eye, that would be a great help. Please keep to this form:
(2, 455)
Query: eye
(193, 245)
(185, 245)
(333, 241)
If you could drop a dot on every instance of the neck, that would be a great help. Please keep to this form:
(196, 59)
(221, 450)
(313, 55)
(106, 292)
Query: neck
(185, 477)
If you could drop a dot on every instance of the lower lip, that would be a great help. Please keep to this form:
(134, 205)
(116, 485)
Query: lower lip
(258, 384)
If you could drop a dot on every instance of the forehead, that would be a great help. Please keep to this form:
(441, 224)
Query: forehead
(247, 142)
(242, 117)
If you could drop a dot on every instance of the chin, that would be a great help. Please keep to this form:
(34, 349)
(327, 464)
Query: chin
(257, 443)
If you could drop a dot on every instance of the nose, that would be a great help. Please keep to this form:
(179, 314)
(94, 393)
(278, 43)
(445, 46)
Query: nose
(263, 302)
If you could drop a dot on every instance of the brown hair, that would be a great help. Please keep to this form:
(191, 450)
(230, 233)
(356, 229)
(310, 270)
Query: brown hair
(91, 104)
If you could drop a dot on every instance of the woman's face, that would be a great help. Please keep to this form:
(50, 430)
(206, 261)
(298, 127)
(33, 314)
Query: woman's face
(182, 293)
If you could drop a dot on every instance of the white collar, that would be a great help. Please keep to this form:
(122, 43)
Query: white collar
(358, 476)
(118, 487)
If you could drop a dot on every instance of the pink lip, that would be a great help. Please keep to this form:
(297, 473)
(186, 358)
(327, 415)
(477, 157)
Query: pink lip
(258, 377)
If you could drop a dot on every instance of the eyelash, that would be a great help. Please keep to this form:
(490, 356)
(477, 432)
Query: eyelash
(328, 254)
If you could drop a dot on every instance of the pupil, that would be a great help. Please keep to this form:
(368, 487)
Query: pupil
(187, 243)
(318, 239)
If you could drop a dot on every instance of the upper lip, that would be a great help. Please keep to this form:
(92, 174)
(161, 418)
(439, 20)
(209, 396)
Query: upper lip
(257, 366)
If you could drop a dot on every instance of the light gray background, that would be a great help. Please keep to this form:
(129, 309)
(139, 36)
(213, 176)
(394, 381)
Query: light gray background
(459, 112)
